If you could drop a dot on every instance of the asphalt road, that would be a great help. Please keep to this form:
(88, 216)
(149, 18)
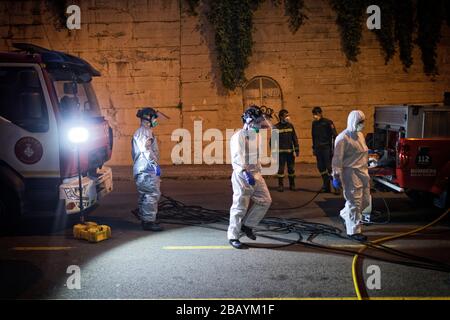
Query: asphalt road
(197, 262)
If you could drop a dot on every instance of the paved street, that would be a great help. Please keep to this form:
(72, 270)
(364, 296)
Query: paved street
(197, 262)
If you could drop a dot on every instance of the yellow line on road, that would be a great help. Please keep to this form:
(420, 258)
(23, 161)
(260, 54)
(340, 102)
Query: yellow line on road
(40, 248)
(322, 298)
(410, 298)
(197, 247)
(355, 277)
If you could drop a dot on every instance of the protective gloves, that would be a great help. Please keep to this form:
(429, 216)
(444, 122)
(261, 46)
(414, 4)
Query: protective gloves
(249, 178)
(337, 184)
(157, 169)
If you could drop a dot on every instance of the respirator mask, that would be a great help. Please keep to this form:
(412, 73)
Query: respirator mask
(360, 126)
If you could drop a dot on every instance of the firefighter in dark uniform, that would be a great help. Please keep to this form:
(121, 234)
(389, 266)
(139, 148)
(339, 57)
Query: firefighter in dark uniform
(323, 134)
(288, 149)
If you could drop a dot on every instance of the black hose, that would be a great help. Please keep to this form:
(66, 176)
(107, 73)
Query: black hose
(172, 211)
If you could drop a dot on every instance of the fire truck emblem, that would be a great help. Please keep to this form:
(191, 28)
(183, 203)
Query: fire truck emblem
(28, 150)
(423, 158)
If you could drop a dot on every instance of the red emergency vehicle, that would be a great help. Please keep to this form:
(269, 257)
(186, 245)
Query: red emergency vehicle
(410, 151)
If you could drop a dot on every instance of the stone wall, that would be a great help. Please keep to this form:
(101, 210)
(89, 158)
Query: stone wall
(151, 52)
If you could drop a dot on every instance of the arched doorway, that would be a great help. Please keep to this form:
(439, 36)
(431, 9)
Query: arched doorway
(261, 91)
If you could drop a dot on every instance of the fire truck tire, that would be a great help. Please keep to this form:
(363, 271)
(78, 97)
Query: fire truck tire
(9, 208)
(422, 199)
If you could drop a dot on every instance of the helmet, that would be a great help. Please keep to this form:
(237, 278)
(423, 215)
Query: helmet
(283, 113)
(316, 110)
(253, 113)
(147, 113)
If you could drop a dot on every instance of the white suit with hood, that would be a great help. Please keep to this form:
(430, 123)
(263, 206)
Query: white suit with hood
(350, 163)
(244, 156)
(145, 154)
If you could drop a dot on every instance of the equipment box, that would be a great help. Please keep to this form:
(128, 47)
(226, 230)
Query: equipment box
(91, 232)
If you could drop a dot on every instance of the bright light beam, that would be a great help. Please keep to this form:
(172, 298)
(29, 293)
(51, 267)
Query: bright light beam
(78, 135)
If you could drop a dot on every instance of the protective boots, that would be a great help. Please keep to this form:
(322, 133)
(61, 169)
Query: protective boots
(235, 243)
(292, 183)
(326, 183)
(151, 226)
(280, 185)
(358, 237)
(248, 232)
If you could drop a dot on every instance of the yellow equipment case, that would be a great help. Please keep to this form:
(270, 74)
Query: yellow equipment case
(91, 232)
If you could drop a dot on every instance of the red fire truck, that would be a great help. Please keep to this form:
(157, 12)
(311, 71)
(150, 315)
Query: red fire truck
(410, 151)
(43, 94)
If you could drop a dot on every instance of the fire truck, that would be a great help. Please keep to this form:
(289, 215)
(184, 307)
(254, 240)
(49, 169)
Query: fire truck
(43, 94)
(410, 151)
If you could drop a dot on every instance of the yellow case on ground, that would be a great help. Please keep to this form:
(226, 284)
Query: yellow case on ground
(91, 232)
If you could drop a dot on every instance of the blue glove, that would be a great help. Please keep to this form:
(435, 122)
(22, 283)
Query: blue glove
(337, 183)
(157, 169)
(249, 178)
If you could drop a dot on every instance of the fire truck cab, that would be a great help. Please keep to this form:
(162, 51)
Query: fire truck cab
(410, 151)
(43, 94)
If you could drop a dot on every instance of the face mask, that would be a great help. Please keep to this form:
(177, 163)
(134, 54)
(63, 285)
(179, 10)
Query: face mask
(256, 127)
(359, 127)
(286, 120)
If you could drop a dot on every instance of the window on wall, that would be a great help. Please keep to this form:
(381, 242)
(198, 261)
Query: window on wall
(263, 91)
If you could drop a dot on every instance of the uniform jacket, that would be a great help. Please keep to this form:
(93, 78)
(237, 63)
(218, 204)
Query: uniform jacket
(288, 137)
(323, 133)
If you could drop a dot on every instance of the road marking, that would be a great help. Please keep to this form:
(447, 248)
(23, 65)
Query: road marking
(409, 298)
(320, 298)
(197, 247)
(40, 248)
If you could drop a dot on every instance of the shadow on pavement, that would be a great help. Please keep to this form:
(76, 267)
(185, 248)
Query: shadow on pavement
(16, 276)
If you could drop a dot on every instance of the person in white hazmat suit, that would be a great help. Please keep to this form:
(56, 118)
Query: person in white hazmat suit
(350, 171)
(146, 170)
(247, 181)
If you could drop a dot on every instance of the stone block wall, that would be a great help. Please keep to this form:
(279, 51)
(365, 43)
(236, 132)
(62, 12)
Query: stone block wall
(152, 52)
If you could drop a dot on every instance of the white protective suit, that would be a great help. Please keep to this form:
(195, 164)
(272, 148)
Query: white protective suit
(145, 156)
(350, 163)
(244, 157)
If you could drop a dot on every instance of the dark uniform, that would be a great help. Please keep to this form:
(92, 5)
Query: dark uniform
(288, 147)
(323, 134)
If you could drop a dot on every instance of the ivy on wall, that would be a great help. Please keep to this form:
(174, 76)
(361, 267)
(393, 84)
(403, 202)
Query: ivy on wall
(232, 21)
(349, 18)
(192, 6)
(447, 12)
(295, 10)
(398, 25)
(429, 19)
(404, 29)
(58, 11)
(398, 28)
(385, 35)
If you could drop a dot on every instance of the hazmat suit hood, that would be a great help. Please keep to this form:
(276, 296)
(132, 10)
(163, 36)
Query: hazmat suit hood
(353, 119)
